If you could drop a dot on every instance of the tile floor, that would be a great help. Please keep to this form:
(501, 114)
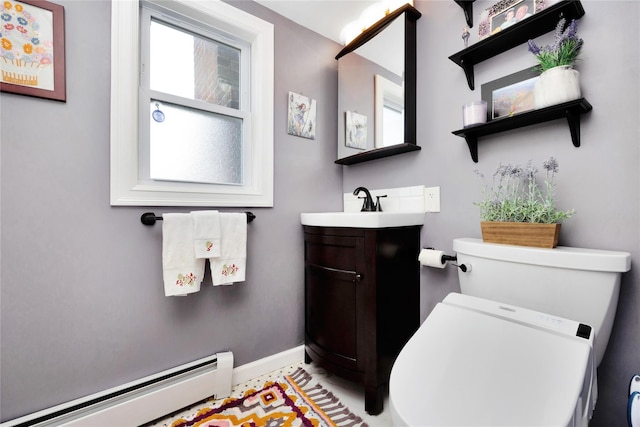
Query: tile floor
(350, 394)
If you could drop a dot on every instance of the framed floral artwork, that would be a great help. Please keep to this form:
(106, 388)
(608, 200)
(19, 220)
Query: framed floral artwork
(356, 130)
(302, 116)
(32, 60)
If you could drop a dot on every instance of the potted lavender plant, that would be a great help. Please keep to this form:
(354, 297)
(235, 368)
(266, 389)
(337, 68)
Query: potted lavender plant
(517, 210)
(559, 82)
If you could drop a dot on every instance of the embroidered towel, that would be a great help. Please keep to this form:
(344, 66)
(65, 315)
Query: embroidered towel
(206, 233)
(230, 266)
(181, 271)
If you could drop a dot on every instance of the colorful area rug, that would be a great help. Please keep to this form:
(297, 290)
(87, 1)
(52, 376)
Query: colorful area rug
(289, 401)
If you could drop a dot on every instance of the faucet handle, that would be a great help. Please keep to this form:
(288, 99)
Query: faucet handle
(378, 207)
(364, 204)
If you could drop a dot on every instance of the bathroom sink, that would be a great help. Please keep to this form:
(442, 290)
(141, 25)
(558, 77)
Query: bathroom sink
(362, 219)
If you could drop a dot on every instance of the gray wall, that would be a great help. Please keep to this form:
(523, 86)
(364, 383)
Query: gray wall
(600, 179)
(82, 305)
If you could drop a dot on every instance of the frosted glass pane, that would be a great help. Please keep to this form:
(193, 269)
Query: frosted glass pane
(194, 67)
(195, 146)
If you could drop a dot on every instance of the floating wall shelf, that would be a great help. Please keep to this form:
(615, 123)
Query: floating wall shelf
(571, 110)
(534, 26)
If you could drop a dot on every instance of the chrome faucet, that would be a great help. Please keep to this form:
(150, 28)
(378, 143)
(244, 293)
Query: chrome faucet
(368, 205)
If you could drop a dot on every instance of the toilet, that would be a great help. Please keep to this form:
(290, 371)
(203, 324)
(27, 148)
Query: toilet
(518, 346)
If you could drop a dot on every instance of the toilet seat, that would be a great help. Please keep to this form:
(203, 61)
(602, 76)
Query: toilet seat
(478, 362)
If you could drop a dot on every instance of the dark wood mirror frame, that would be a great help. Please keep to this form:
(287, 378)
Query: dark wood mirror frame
(411, 15)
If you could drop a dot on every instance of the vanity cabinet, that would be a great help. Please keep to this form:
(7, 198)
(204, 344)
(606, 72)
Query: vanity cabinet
(362, 304)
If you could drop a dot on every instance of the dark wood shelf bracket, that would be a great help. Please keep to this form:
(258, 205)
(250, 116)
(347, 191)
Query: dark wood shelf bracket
(467, 7)
(472, 142)
(468, 72)
(573, 119)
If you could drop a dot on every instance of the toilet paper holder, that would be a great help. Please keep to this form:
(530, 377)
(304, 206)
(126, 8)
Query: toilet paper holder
(446, 257)
(463, 267)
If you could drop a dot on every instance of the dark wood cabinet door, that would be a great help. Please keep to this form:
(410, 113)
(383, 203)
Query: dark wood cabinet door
(333, 287)
(331, 299)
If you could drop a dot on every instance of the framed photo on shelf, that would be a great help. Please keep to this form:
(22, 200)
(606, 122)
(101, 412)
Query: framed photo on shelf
(510, 95)
(33, 61)
(506, 13)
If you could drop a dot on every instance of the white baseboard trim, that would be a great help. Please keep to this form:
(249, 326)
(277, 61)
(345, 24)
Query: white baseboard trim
(267, 364)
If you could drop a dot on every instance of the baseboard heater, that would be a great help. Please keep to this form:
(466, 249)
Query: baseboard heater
(144, 400)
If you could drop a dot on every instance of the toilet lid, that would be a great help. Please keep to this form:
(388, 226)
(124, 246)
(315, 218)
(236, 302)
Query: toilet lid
(477, 362)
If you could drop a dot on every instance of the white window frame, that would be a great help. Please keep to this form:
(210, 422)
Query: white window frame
(128, 188)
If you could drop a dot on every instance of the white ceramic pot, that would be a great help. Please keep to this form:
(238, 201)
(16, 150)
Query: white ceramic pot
(557, 85)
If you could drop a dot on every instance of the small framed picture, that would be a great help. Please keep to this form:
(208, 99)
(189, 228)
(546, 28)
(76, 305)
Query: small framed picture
(302, 116)
(507, 13)
(510, 95)
(356, 130)
(32, 53)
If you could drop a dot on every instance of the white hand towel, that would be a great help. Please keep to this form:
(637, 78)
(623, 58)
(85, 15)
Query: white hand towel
(206, 233)
(231, 265)
(181, 271)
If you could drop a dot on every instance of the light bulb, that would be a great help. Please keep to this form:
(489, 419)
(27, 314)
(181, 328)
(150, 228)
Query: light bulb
(350, 32)
(372, 14)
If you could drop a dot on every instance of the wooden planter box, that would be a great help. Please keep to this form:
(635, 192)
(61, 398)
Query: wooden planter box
(521, 233)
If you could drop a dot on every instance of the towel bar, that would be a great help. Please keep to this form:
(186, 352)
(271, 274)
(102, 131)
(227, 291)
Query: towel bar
(150, 218)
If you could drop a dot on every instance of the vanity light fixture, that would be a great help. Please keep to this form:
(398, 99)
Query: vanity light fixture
(370, 16)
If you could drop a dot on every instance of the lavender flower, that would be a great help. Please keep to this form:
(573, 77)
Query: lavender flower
(572, 30)
(550, 165)
(516, 171)
(530, 172)
(560, 28)
(503, 170)
(516, 196)
(564, 50)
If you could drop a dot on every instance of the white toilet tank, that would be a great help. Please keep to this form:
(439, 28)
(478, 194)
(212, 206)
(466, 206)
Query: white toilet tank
(574, 283)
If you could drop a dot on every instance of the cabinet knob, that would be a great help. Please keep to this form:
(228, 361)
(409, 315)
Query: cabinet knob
(358, 277)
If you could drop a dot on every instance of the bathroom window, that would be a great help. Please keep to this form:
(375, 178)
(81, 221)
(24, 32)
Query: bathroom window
(192, 105)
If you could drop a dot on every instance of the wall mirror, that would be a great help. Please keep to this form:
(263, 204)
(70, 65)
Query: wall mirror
(377, 90)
